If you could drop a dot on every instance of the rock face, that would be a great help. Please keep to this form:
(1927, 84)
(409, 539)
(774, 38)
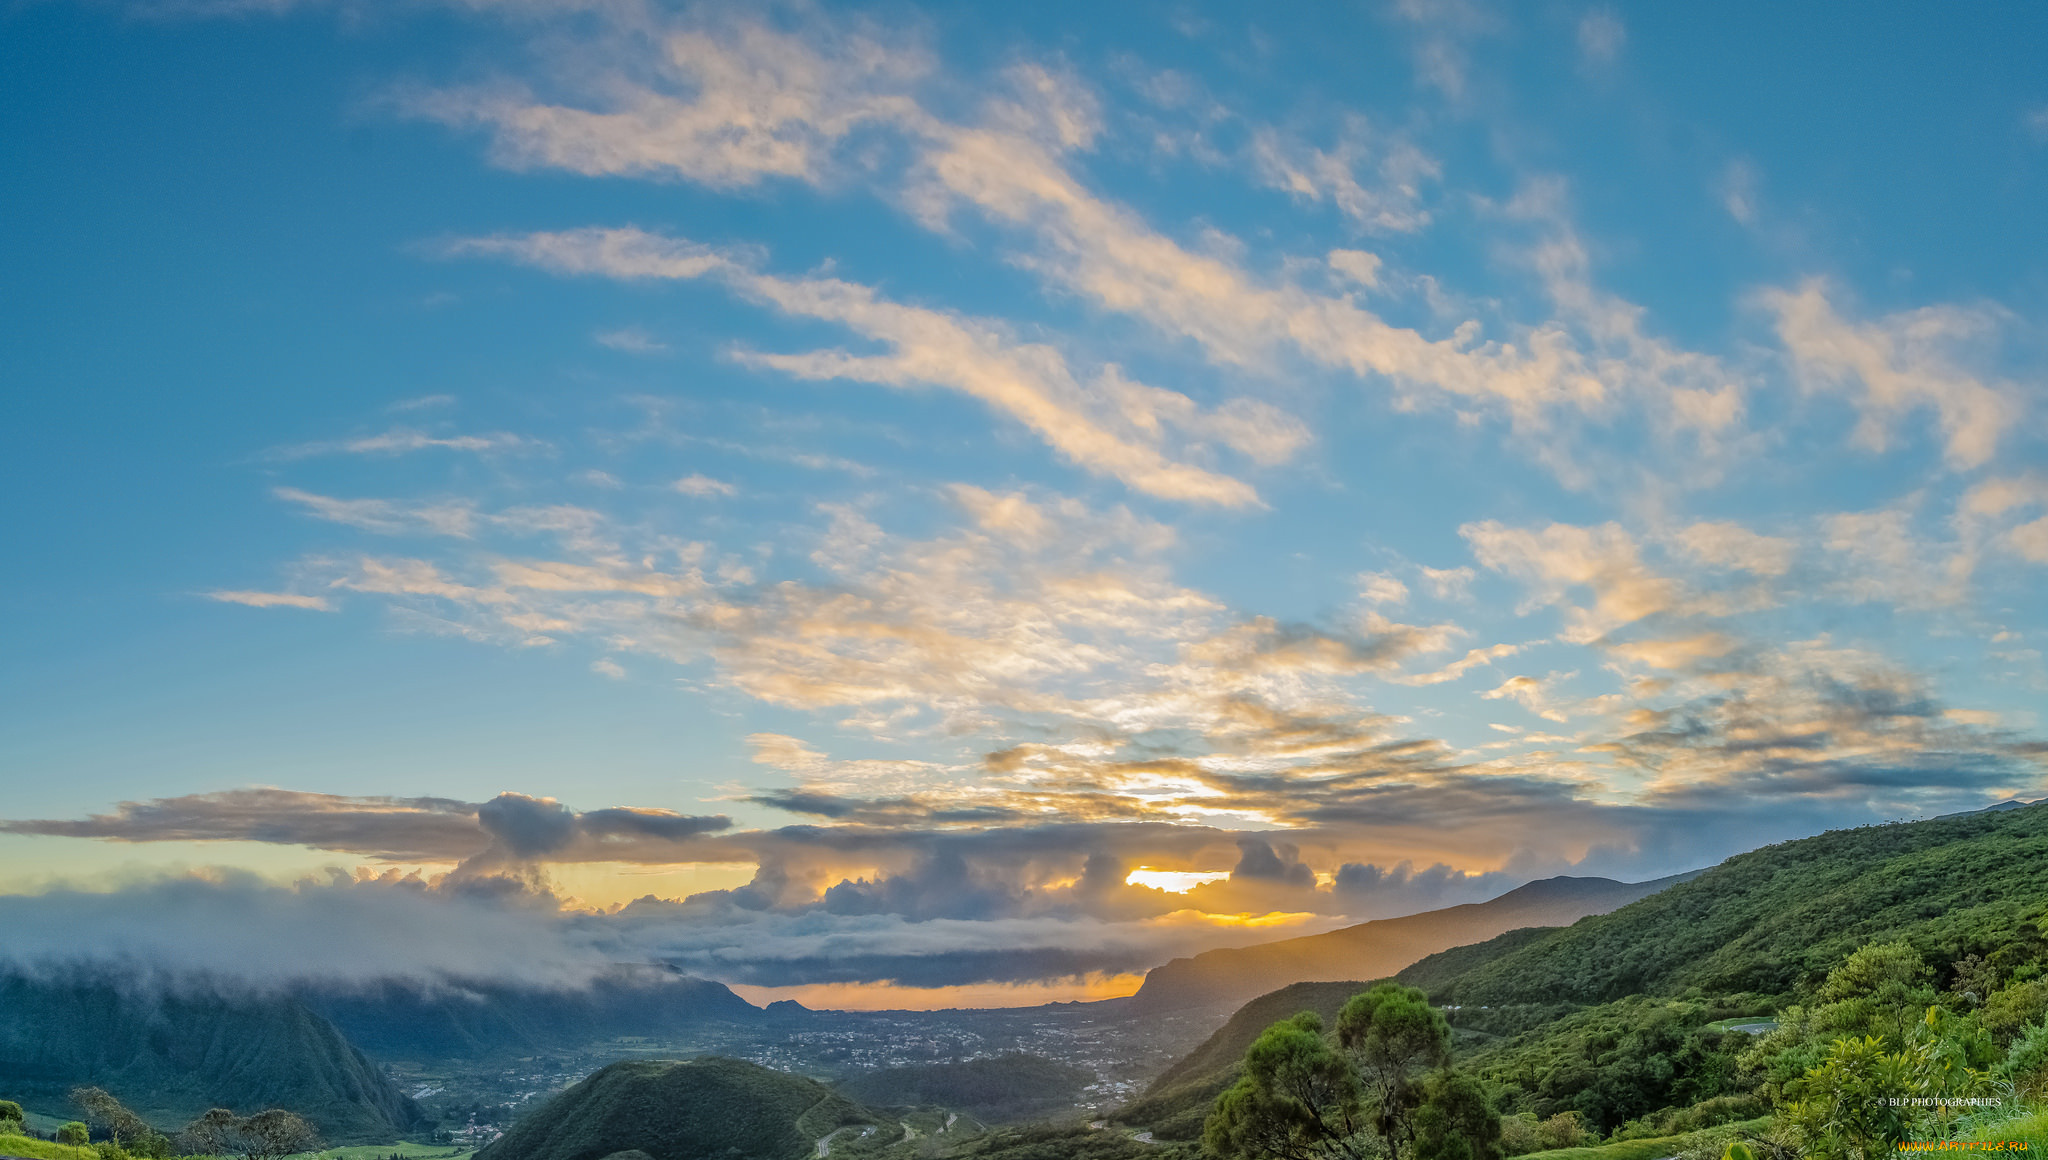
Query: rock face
(1374, 950)
(682, 1111)
(171, 1052)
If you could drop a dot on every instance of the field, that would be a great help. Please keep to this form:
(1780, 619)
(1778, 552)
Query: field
(405, 1150)
(43, 1149)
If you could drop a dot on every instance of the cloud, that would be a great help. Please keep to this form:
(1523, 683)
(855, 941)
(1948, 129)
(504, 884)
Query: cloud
(509, 829)
(1896, 365)
(400, 441)
(422, 403)
(1739, 191)
(1395, 167)
(2035, 121)
(1601, 36)
(727, 106)
(386, 517)
(703, 486)
(1109, 425)
(1558, 558)
(730, 104)
(1381, 588)
(272, 600)
(1538, 695)
(630, 340)
(1725, 544)
(607, 667)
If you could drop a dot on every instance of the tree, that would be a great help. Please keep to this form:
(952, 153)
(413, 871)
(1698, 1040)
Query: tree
(266, 1135)
(1394, 1038)
(11, 1117)
(74, 1133)
(1297, 1100)
(1456, 1120)
(123, 1127)
(1381, 1089)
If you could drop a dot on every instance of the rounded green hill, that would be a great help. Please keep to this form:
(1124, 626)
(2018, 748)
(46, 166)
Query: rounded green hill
(682, 1111)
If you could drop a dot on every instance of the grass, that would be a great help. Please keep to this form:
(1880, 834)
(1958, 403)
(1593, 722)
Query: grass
(43, 1149)
(2031, 1129)
(1647, 1148)
(406, 1148)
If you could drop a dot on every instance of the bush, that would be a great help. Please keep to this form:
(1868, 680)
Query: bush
(2008, 1012)
(74, 1133)
(2025, 1066)
(11, 1117)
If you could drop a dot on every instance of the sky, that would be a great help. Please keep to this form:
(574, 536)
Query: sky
(905, 505)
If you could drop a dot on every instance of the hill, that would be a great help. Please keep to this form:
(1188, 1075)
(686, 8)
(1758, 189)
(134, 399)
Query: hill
(683, 1111)
(172, 1054)
(1374, 950)
(398, 1019)
(1002, 1089)
(1764, 921)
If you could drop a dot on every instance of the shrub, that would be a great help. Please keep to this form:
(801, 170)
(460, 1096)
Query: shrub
(74, 1133)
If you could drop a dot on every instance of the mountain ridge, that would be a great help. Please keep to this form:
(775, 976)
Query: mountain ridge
(1377, 949)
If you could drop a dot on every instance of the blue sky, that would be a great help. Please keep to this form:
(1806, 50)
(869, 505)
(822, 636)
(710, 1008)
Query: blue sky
(889, 473)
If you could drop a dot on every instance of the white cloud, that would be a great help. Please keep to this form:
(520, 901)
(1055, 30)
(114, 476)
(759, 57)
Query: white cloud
(1896, 365)
(1381, 588)
(1450, 583)
(273, 600)
(607, 667)
(1388, 201)
(703, 486)
(400, 441)
(1555, 559)
(386, 517)
(630, 340)
(1108, 425)
(727, 106)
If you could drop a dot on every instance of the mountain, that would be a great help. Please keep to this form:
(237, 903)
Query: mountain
(394, 1019)
(1005, 1088)
(684, 1111)
(171, 1054)
(1374, 950)
(1764, 921)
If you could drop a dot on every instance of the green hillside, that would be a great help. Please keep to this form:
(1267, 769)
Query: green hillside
(1767, 920)
(172, 1055)
(684, 1111)
(1372, 950)
(1000, 1089)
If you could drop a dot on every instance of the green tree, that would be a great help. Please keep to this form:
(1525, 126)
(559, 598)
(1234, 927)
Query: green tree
(74, 1133)
(1395, 1039)
(1456, 1120)
(123, 1127)
(1297, 1100)
(11, 1117)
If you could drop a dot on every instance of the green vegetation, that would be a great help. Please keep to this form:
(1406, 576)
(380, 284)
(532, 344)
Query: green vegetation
(682, 1111)
(1042, 1142)
(16, 1145)
(1000, 1089)
(175, 1054)
(403, 1150)
(1865, 988)
(1382, 1082)
(1767, 921)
